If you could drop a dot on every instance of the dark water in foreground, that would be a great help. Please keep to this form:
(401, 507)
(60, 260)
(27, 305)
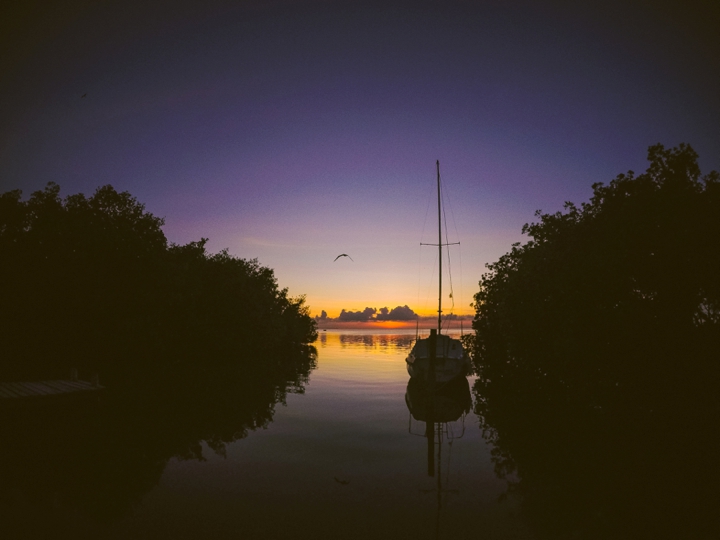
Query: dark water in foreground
(344, 459)
(332, 445)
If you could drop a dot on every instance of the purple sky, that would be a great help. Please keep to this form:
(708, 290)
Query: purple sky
(295, 131)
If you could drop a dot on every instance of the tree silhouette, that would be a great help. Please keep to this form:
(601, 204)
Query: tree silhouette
(595, 338)
(92, 283)
(190, 346)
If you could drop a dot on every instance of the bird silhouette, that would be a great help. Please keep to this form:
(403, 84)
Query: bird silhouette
(84, 95)
(343, 255)
(341, 482)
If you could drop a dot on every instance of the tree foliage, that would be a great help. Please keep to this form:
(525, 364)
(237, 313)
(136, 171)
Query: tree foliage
(92, 282)
(597, 336)
(191, 347)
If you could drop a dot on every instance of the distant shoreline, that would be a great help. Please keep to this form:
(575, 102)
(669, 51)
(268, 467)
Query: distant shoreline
(424, 324)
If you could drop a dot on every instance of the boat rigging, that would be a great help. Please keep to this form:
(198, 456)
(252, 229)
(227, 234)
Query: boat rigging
(438, 358)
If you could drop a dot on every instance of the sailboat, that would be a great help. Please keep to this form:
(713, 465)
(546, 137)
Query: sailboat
(438, 358)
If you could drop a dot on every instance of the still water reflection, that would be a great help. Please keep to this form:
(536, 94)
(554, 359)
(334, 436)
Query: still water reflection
(340, 459)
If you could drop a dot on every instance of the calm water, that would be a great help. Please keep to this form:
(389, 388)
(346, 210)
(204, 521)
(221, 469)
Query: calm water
(345, 456)
(343, 460)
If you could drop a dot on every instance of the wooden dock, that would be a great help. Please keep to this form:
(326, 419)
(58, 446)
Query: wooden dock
(40, 389)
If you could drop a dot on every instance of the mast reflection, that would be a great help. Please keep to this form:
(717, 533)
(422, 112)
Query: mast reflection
(442, 407)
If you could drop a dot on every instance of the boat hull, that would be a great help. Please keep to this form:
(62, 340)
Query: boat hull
(451, 361)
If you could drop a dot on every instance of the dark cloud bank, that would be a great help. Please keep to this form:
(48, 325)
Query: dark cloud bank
(399, 313)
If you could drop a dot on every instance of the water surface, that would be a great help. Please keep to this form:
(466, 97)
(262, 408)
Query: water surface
(345, 459)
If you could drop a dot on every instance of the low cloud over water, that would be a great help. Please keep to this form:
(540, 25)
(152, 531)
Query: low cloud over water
(399, 315)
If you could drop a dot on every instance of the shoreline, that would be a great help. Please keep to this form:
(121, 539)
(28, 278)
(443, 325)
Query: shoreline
(453, 325)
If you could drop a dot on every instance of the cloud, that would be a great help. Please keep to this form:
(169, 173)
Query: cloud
(399, 313)
(357, 316)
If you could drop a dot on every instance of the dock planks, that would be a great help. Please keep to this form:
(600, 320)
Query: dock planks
(17, 390)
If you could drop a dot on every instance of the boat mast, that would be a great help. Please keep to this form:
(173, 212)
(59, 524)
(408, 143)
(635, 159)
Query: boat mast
(439, 251)
(439, 246)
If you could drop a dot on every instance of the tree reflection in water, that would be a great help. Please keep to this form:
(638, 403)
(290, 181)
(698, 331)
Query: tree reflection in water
(631, 465)
(381, 342)
(73, 467)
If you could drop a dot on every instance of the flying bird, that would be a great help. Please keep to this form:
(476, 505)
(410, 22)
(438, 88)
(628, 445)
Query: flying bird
(84, 95)
(343, 255)
(341, 482)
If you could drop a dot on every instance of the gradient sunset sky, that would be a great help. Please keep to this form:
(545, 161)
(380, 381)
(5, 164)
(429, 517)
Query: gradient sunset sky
(293, 131)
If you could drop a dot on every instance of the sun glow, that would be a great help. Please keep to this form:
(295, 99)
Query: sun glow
(423, 323)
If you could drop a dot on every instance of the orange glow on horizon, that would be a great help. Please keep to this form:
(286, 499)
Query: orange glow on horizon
(422, 313)
(390, 325)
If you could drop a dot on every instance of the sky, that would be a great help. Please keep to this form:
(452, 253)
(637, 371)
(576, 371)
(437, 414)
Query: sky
(294, 131)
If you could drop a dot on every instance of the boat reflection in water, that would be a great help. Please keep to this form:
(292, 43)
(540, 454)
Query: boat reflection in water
(447, 402)
(442, 407)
